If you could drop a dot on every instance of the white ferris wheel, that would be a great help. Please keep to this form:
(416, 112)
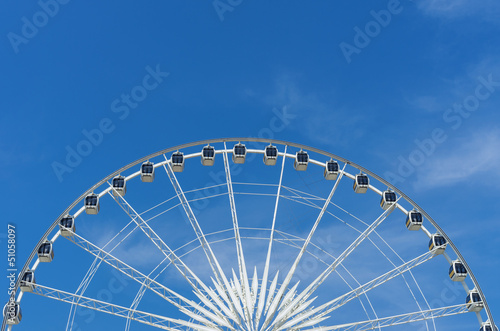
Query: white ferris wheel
(261, 235)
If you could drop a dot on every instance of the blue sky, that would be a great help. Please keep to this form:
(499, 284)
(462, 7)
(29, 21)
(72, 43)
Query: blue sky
(408, 89)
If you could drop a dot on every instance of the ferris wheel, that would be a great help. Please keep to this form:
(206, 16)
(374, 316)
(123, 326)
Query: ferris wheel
(245, 234)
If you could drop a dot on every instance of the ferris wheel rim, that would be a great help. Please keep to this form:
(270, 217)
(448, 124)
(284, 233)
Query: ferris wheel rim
(256, 140)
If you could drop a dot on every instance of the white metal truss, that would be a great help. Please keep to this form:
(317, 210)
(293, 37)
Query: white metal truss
(91, 273)
(292, 242)
(302, 297)
(81, 289)
(396, 320)
(237, 299)
(262, 295)
(183, 304)
(330, 306)
(142, 291)
(222, 285)
(243, 283)
(186, 272)
(157, 321)
(309, 201)
(279, 296)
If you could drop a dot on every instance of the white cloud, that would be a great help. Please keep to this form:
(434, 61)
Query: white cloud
(487, 9)
(427, 103)
(136, 250)
(447, 90)
(471, 157)
(318, 117)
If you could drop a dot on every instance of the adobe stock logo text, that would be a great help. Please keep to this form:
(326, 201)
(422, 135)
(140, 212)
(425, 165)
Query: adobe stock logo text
(121, 106)
(31, 27)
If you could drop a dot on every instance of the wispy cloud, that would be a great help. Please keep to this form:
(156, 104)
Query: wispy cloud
(137, 250)
(427, 103)
(317, 113)
(488, 9)
(470, 157)
(446, 90)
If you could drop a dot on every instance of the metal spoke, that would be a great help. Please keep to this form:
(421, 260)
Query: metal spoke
(343, 299)
(397, 320)
(186, 272)
(82, 288)
(245, 286)
(158, 321)
(292, 243)
(314, 205)
(92, 270)
(169, 295)
(142, 291)
(324, 275)
(281, 291)
(215, 301)
(265, 276)
(221, 280)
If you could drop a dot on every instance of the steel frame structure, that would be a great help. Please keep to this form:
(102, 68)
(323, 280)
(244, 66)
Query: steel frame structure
(241, 302)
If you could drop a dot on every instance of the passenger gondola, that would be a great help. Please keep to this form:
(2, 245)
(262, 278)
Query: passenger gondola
(301, 161)
(27, 281)
(147, 172)
(119, 186)
(67, 226)
(239, 153)
(474, 302)
(331, 170)
(437, 243)
(208, 155)
(457, 271)
(361, 183)
(270, 155)
(177, 161)
(92, 204)
(46, 252)
(414, 220)
(387, 199)
(12, 313)
(486, 327)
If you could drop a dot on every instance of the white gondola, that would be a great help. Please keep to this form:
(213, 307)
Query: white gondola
(486, 327)
(270, 155)
(147, 172)
(177, 161)
(474, 302)
(67, 226)
(208, 155)
(119, 186)
(457, 271)
(92, 204)
(239, 153)
(414, 220)
(437, 243)
(12, 313)
(331, 170)
(27, 281)
(387, 199)
(301, 161)
(361, 183)
(46, 252)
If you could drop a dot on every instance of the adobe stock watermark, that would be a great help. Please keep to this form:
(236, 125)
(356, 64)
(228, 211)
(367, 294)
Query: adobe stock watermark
(223, 6)
(120, 106)
(363, 37)
(31, 26)
(454, 118)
